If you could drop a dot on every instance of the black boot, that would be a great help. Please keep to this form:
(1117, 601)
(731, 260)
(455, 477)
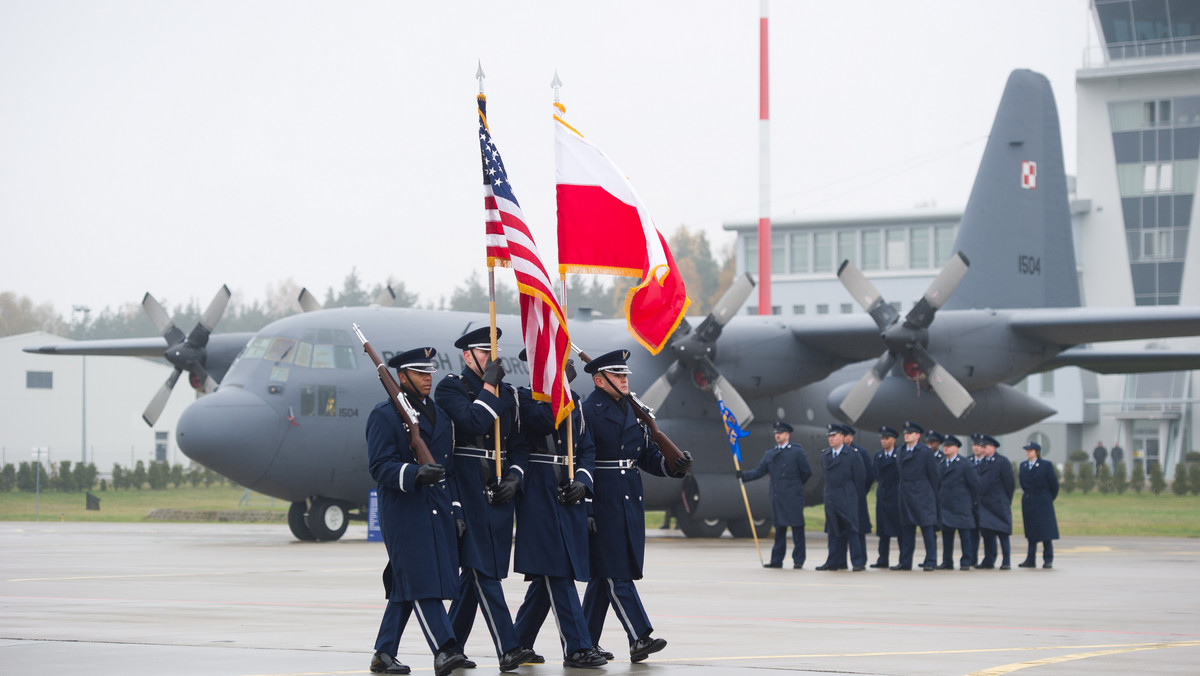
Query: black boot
(383, 663)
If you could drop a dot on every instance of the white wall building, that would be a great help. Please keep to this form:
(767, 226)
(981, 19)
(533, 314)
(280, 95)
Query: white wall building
(42, 402)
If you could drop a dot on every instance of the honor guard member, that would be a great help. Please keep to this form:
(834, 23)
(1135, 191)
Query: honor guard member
(618, 544)
(552, 527)
(844, 477)
(887, 494)
(957, 495)
(474, 400)
(918, 498)
(996, 488)
(415, 518)
(934, 440)
(977, 456)
(864, 512)
(789, 469)
(1039, 488)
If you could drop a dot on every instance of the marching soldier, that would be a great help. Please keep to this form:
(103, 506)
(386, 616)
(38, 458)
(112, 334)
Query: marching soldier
(552, 527)
(918, 499)
(474, 400)
(996, 488)
(957, 495)
(844, 477)
(618, 544)
(415, 518)
(788, 466)
(887, 494)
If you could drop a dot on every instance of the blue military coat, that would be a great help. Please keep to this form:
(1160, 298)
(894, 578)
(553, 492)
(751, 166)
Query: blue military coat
(864, 512)
(414, 519)
(887, 494)
(789, 470)
(844, 477)
(487, 544)
(1039, 484)
(918, 486)
(552, 538)
(996, 488)
(957, 494)
(618, 546)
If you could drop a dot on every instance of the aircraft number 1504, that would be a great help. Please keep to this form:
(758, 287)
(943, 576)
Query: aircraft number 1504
(1029, 265)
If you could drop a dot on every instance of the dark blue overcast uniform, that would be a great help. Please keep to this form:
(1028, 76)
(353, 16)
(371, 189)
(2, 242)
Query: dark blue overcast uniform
(789, 470)
(417, 527)
(887, 502)
(844, 479)
(957, 495)
(996, 489)
(918, 503)
(1039, 486)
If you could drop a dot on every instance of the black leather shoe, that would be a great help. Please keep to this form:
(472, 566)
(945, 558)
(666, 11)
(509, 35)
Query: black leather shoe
(514, 658)
(965, 566)
(445, 661)
(604, 653)
(1047, 565)
(1027, 564)
(468, 663)
(928, 567)
(1005, 566)
(858, 569)
(946, 566)
(900, 567)
(985, 566)
(772, 565)
(586, 658)
(879, 564)
(797, 566)
(536, 659)
(643, 647)
(383, 663)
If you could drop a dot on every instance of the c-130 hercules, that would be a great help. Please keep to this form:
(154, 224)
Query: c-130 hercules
(288, 415)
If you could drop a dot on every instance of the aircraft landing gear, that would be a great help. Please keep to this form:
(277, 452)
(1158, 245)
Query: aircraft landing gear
(740, 528)
(296, 522)
(701, 528)
(326, 519)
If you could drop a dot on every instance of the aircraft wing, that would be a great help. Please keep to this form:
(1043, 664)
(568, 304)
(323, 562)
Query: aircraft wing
(850, 337)
(133, 347)
(1076, 326)
(1140, 361)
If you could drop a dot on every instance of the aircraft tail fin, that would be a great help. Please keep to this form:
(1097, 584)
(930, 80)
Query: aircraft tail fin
(1016, 229)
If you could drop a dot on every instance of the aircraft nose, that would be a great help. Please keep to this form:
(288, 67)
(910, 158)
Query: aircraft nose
(233, 432)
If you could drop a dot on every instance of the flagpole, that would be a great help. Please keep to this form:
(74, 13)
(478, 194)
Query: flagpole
(562, 276)
(746, 499)
(732, 432)
(491, 264)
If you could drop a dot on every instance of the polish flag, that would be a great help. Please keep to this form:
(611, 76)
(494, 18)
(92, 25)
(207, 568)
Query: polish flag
(605, 228)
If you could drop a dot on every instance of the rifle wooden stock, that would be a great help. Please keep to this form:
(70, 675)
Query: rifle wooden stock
(408, 415)
(667, 447)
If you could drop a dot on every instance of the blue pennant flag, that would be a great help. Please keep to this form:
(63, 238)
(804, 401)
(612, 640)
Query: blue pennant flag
(732, 428)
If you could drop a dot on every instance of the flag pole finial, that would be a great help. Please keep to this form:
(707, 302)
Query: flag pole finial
(556, 84)
(479, 75)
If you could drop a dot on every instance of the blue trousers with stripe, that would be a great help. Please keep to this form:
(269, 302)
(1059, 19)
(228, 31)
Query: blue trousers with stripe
(431, 615)
(553, 595)
(623, 596)
(476, 590)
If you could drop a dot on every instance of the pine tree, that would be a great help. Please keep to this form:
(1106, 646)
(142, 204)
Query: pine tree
(1158, 482)
(1087, 480)
(1104, 479)
(1068, 478)
(1120, 478)
(1193, 479)
(1137, 481)
(1180, 485)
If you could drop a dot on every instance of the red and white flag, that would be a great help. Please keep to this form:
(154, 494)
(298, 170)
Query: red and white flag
(605, 228)
(510, 244)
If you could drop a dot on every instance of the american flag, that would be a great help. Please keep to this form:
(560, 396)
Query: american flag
(510, 244)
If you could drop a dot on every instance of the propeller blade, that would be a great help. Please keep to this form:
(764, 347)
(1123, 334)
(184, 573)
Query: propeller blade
(656, 395)
(733, 401)
(308, 302)
(864, 390)
(956, 397)
(733, 299)
(159, 402)
(938, 292)
(215, 309)
(386, 297)
(161, 320)
(867, 295)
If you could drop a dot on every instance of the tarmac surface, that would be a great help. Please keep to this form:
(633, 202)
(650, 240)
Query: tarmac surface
(249, 600)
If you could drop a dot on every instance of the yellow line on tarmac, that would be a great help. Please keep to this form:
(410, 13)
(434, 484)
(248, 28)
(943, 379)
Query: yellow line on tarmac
(1008, 668)
(1115, 647)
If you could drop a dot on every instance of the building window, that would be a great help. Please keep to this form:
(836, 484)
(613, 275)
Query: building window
(751, 309)
(751, 254)
(847, 308)
(799, 252)
(1048, 384)
(776, 309)
(778, 253)
(1156, 113)
(822, 308)
(943, 244)
(39, 380)
(798, 309)
(823, 252)
(872, 250)
(918, 248)
(896, 245)
(847, 247)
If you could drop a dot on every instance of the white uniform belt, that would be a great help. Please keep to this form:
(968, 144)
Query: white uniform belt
(547, 459)
(481, 453)
(624, 463)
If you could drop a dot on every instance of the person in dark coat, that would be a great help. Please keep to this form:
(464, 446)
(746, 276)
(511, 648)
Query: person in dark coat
(844, 477)
(618, 544)
(552, 526)
(887, 494)
(1039, 486)
(864, 512)
(1100, 455)
(788, 467)
(977, 456)
(934, 440)
(957, 494)
(996, 488)
(475, 399)
(415, 518)
(1117, 454)
(918, 498)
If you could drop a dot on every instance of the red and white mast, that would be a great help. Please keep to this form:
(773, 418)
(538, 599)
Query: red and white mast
(764, 170)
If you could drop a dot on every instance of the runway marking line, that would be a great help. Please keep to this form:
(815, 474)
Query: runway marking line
(1016, 666)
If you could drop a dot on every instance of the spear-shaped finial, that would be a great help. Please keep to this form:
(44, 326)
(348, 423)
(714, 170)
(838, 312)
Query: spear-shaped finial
(479, 76)
(556, 83)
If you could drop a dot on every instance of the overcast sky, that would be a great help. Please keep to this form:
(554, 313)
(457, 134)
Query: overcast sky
(174, 146)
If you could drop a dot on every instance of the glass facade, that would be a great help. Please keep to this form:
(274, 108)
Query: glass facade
(1135, 29)
(1157, 148)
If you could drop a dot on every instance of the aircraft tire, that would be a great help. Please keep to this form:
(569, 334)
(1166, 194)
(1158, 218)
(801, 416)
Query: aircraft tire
(297, 524)
(740, 528)
(701, 528)
(326, 519)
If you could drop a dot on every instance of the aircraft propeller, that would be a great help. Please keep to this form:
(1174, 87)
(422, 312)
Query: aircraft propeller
(695, 350)
(906, 339)
(309, 302)
(185, 353)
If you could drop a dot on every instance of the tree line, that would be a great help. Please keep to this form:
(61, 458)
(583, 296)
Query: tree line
(64, 477)
(705, 274)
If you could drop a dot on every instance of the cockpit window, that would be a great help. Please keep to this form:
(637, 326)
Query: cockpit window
(257, 348)
(333, 350)
(281, 350)
(304, 354)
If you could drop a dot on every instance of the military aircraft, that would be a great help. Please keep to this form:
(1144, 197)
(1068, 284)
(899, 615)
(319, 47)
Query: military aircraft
(288, 416)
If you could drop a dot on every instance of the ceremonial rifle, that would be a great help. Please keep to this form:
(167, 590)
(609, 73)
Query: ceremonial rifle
(408, 414)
